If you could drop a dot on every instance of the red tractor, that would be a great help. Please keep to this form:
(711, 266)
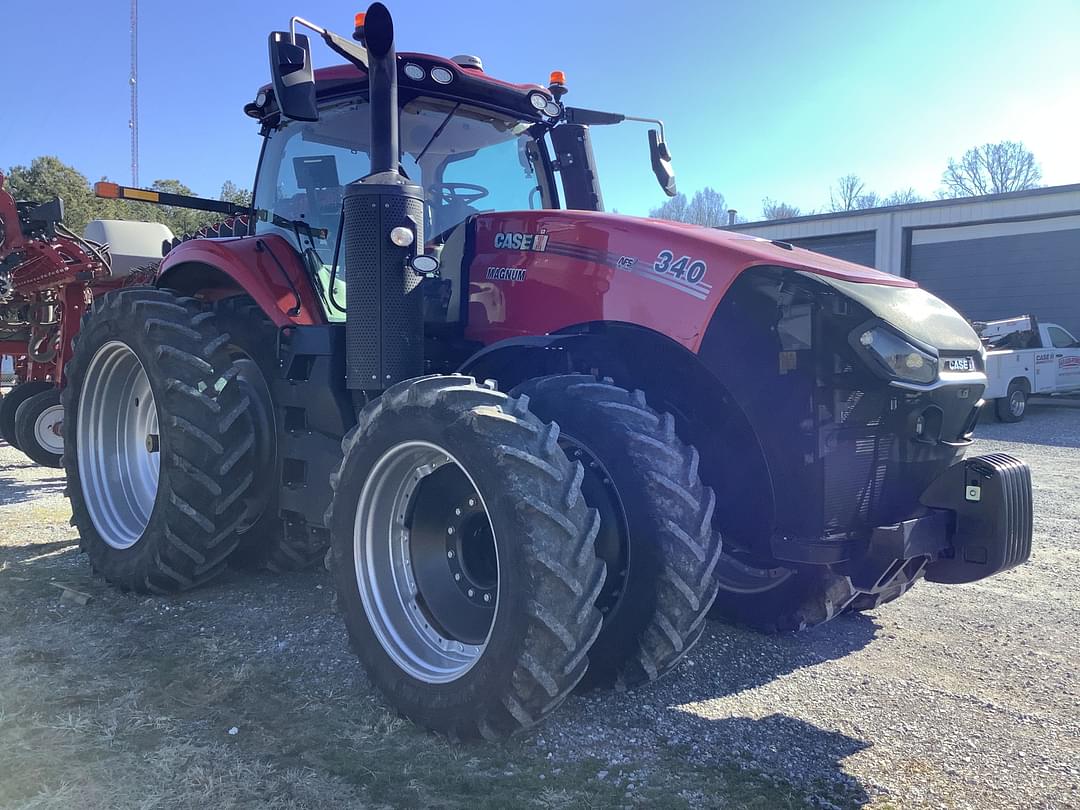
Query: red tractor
(523, 425)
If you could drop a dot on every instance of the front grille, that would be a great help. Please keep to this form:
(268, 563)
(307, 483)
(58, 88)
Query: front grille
(856, 469)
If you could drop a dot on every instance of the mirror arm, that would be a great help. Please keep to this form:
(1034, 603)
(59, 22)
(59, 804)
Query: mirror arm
(352, 51)
(656, 121)
(292, 27)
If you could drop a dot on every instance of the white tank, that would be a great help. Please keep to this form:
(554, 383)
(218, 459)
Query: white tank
(131, 244)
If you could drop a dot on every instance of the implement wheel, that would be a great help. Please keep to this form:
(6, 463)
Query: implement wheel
(464, 557)
(9, 407)
(39, 423)
(158, 441)
(656, 534)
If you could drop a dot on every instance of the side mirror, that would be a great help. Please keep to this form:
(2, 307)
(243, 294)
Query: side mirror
(292, 75)
(661, 163)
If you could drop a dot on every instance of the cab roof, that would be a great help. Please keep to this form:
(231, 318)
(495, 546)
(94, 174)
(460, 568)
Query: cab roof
(466, 84)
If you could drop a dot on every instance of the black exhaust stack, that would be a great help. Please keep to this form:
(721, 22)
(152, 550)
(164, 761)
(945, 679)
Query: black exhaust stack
(383, 230)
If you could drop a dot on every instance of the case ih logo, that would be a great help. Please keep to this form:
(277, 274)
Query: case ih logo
(509, 240)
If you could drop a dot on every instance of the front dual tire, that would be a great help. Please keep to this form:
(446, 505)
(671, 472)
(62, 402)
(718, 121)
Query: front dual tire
(448, 487)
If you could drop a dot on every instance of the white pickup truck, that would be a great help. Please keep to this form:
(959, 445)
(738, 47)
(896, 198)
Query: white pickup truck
(1025, 357)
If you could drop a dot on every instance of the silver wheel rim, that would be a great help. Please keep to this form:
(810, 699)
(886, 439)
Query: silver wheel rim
(47, 430)
(385, 574)
(1017, 403)
(118, 445)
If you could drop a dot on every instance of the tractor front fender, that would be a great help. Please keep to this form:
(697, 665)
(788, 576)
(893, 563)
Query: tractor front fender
(674, 380)
(266, 268)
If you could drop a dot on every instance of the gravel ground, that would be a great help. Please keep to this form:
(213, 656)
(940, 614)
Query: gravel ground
(951, 697)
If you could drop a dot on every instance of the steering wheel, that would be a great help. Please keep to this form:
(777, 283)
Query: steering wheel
(463, 193)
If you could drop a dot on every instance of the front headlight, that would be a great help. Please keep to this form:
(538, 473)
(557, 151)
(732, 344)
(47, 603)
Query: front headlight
(899, 358)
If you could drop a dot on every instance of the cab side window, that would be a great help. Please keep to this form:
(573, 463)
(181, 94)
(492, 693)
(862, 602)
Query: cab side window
(1060, 338)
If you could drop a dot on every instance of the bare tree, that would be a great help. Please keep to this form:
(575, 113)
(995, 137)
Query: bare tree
(870, 199)
(903, 196)
(992, 168)
(673, 209)
(773, 209)
(707, 207)
(845, 197)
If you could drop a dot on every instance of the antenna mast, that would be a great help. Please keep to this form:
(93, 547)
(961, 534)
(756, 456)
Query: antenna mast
(134, 122)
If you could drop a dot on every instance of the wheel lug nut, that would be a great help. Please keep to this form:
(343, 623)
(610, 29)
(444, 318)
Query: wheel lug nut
(471, 592)
(449, 529)
(153, 443)
(457, 511)
(450, 554)
(472, 502)
(457, 577)
(487, 597)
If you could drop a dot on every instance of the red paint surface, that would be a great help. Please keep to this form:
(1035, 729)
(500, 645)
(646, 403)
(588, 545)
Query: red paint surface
(578, 278)
(256, 273)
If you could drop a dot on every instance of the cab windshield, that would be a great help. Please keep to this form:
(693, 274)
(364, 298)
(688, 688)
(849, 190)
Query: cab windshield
(467, 160)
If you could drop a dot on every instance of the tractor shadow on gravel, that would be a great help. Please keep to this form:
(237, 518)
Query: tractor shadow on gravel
(709, 711)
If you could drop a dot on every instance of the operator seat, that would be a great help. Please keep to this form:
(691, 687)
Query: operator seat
(444, 217)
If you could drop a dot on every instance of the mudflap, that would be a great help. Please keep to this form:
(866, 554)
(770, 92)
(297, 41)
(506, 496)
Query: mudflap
(990, 501)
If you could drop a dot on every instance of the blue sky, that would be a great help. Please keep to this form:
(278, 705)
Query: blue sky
(761, 99)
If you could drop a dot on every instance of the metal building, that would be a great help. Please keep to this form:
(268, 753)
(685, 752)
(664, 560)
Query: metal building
(990, 257)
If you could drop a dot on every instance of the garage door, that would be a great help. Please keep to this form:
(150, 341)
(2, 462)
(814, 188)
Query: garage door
(998, 276)
(853, 247)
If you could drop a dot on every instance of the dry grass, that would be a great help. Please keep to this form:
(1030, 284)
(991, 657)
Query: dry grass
(128, 701)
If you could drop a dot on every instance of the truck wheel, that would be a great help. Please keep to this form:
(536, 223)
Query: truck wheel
(656, 535)
(9, 407)
(265, 542)
(778, 599)
(38, 425)
(1013, 405)
(158, 441)
(464, 557)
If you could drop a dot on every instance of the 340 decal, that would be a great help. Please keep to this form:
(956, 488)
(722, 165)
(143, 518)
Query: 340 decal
(684, 267)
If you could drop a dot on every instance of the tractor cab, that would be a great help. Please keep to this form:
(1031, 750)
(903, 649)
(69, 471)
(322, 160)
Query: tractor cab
(467, 158)
(472, 143)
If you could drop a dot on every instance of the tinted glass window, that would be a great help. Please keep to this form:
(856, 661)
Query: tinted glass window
(1060, 338)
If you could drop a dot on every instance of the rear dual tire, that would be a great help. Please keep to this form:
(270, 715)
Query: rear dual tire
(266, 541)
(159, 441)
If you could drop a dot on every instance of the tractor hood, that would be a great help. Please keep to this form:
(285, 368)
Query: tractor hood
(545, 270)
(644, 239)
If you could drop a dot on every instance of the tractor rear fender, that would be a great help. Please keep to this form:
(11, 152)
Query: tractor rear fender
(674, 380)
(266, 268)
